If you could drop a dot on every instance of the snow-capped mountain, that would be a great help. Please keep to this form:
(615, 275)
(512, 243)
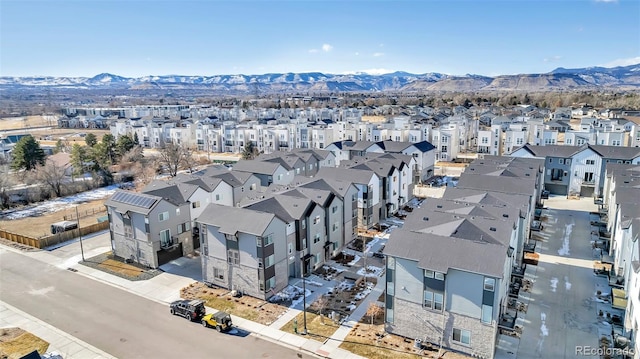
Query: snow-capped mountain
(558, 79)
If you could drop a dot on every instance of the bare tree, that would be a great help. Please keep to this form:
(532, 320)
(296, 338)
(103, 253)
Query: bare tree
(5, 184)
(319, 305)
(175, 157)
(373, 311)
(52, 175)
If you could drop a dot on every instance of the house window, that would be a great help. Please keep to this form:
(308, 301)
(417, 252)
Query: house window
(334, 209)
(335, 226)
(233, 256)
(428, 273)
(163, 216)
(462, 336)
(588, 176)
(316, 238)
(290, 248)
(318, 258)
(561, 161)
(270, 283)
(391, 263)
(195, 204)
(487, 313)
(591, 162)
(489, 284)
(165, 238)
(391, 289)
(438, 276)
(269, 261)
(550, 160)
(556, 174)
(433, 300)
(316, 220)
(218, 273)
(444, 148)
(184, 227)
(177, 211)
(303, 224)
(218, 197)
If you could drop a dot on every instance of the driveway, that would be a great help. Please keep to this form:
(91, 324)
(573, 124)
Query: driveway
(561, 313)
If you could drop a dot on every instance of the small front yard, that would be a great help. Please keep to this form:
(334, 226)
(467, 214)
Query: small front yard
(109, 263)
(370, 341)
(319, 328)
(16, 343)
(246, 307)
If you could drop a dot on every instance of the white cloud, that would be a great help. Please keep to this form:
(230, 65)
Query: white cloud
(313, 51)
(369, 71)
(378, 54)
(623, 62)
(326, 47)
(552, 58)
(357, 53)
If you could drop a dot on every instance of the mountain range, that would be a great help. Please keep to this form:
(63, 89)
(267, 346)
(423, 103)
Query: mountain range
(590, 78)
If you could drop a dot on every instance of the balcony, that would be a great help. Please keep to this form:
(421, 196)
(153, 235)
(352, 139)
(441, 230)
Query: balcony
(508, 320)
(518, 271)
(530, 247)
(169, 244)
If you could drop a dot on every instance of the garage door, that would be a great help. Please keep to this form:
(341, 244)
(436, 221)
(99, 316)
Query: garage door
(586, 191)
(556, 188)
(169, 254)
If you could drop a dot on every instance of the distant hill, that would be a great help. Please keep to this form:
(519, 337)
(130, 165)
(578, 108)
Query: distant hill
(627, 77)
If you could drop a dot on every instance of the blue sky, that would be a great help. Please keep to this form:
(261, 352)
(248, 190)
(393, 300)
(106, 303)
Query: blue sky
(153, 37)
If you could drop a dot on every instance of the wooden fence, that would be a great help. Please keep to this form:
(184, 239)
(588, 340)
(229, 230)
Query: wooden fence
(84, 213)
(47, 241)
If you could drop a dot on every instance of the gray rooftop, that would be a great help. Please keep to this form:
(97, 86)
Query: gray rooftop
(232, 220)
(256, 166)
(515, 185)
(147, 202)
(345, 174)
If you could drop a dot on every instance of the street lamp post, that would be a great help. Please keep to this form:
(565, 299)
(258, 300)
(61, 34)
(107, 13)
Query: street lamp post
(304, 305)
(80, 234)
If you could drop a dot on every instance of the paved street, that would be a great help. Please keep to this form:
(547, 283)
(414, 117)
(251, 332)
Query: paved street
(561, 313)
(122, 324)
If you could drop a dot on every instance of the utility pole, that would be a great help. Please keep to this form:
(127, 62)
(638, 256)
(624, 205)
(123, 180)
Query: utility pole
(304, 305)
(80, 234)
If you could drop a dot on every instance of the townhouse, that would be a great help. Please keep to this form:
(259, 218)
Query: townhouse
(621, 200)
(249, 256)
(448, 275)
(578, 170)
(148, 229)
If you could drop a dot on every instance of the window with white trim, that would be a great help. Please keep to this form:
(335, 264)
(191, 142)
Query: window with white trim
(218, 273)
(487, 314)
(269, 261)
(489, 284)
(163, 216)
(462, 336)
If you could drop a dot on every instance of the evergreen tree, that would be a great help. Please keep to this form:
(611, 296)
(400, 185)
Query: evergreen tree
(27, 154)
(90, 139)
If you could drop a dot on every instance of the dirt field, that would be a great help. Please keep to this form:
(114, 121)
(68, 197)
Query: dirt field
(41, 226)
(246, 307)
(11, 123)
(16, 343)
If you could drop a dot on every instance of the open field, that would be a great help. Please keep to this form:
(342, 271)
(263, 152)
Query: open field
(41, 225)
(14, 123)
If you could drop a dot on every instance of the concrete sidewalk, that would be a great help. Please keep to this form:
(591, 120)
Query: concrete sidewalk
(165, 288)
(60, 342)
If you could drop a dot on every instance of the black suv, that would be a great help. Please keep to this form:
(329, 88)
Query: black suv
(190, 309)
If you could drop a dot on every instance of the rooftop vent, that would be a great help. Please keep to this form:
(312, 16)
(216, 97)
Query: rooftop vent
(492, 229)
(526, 174)
(439, 206)
(425, 218)
(505, 215)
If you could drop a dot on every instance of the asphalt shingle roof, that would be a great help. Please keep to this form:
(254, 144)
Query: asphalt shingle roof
(231, 220)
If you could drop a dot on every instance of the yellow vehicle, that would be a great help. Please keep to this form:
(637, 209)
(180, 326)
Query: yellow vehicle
(220, 320)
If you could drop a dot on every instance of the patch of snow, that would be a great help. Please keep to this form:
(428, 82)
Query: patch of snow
(544, 331)
(60, 204)
(370, 271)
(564, 251)
(350, 307)
(543, 316)
(312, 282)
(51, 355)
(41, 291)
(554, 284)
(354, 261)
(567, 285)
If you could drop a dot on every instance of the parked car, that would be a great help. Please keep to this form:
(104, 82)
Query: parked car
(192, 310)
(220, 320)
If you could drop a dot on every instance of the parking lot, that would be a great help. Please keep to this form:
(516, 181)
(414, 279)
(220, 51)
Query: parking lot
(561, 314)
